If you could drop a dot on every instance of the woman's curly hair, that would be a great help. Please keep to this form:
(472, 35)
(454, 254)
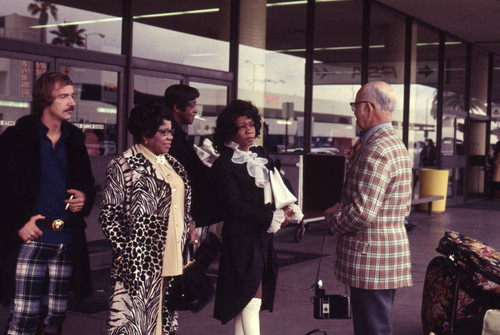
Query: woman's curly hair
(226, 128)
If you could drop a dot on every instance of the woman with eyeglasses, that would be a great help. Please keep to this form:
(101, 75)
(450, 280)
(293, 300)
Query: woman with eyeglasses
(145, 215)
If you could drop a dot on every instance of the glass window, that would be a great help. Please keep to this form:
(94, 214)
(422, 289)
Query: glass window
(192, 33)
(454, 112)
(17, 77)
(495, 105)
(478, 121)
(96, 108)
(86, 25)
(454, 115)
(387, 55)
(212, 100)
(272, 67)
(479, 82)
(495, 114)
(337, 74)
(423, 96)
(150, 89)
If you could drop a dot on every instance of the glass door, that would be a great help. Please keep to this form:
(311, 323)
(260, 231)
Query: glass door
(17, 76)
(477, 179)
(213, 99)
(150, 87)
(453, 153)
(96, 107)
(96, 113)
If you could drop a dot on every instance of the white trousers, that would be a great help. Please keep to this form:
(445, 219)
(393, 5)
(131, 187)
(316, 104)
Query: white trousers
(247, 322)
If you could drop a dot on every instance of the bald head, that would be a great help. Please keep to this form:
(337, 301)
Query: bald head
(381, 94)
(376, 104)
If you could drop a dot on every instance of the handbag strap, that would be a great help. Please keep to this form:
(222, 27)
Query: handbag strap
(320, 258)
(187, 253)
(347, 293)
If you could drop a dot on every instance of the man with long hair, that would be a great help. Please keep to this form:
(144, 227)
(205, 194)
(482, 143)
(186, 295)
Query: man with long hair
(48, 189)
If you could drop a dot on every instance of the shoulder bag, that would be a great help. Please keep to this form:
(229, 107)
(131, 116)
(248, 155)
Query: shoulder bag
(193, 290)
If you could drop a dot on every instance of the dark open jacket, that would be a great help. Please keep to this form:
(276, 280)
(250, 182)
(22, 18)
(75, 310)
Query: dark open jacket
(205, 205)
(20, 169)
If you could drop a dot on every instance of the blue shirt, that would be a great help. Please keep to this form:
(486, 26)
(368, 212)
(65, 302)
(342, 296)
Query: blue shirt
(50, 203)
(366, 135)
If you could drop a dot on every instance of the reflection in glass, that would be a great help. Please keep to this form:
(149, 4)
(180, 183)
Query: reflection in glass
(148, 89)
(83, 25)
(495, 103)
(96, 107)
(189, 33)
(479, 82)
(454, 115)
(387, 56)
(272, 68)
(423, 92)
(337, 75)
(454, 111)
(17, 77)
(212, 100)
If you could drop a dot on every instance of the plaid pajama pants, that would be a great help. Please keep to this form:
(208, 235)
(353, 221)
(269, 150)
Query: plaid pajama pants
(33, 262)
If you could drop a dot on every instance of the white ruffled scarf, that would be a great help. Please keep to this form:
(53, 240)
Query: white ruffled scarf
(256, 166)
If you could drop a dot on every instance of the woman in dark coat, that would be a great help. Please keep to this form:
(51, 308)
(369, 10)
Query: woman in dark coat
(428, 154)
(248, 266)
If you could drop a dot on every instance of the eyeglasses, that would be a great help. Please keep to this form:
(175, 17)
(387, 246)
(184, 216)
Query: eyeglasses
(353, 104)
(165, 132)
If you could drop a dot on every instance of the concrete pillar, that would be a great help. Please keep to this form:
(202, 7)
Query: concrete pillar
(252, 75)
(253, 23)
(477, 136)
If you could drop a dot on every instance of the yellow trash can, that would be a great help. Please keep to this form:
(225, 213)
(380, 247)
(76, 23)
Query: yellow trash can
(433, 182)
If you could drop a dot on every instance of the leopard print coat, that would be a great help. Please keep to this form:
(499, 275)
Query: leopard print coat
(134, 218)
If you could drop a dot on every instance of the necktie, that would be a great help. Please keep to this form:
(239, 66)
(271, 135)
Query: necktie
(354, 150)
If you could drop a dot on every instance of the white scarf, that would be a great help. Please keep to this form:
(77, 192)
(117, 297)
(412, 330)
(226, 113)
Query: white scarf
(256, 166)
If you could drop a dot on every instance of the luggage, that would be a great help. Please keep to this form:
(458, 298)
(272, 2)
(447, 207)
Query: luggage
(460, 287)
(474, 257)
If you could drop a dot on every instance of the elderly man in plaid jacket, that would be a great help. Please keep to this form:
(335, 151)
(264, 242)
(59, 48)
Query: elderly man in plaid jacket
(373, 254)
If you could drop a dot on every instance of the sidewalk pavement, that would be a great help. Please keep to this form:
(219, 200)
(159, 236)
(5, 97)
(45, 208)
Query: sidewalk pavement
(299, 264)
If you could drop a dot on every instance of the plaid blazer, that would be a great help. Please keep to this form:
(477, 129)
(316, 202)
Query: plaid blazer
(373, 250)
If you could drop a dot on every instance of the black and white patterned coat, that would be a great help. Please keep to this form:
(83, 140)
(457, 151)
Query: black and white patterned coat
(134, 217)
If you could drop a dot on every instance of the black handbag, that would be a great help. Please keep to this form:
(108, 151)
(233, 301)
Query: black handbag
(193, 290)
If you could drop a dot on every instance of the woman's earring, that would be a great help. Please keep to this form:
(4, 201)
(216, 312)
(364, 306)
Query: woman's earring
(145, 142)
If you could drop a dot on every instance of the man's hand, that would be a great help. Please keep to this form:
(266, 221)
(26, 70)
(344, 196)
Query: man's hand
(333, 210)
(76, 203)
(30, 230)
(288, 216)
(193, 234)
